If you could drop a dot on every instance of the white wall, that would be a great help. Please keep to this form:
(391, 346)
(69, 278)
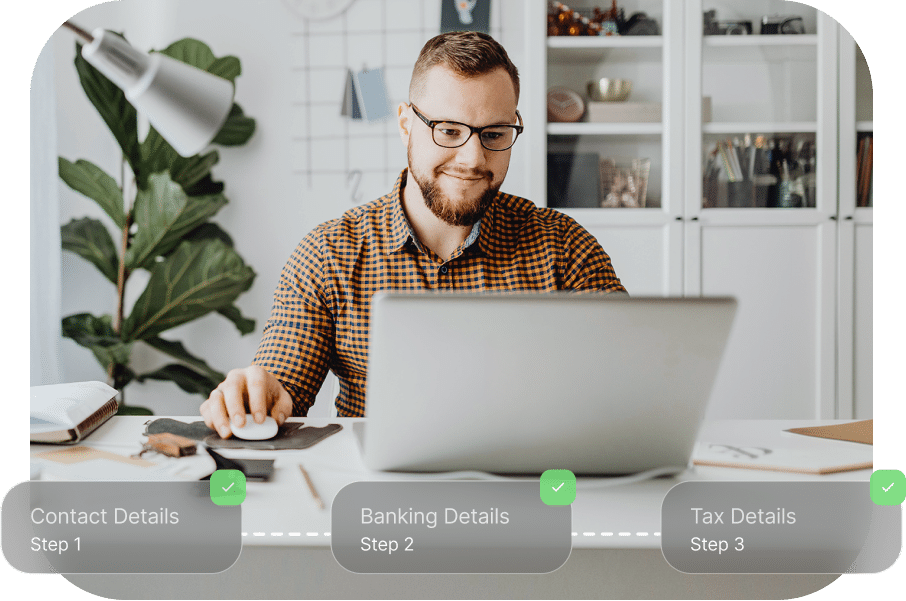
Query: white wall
(271, 207)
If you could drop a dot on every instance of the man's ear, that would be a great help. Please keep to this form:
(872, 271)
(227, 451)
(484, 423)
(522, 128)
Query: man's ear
(404, 122)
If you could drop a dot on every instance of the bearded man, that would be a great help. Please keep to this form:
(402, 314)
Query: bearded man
(445, 226)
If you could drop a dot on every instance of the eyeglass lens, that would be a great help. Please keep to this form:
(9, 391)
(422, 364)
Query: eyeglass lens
(451, 135)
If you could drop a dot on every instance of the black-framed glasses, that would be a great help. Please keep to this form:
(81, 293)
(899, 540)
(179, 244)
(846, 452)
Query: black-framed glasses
(450, 134)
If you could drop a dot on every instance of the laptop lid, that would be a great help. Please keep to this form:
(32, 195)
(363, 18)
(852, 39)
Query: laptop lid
(521, 383)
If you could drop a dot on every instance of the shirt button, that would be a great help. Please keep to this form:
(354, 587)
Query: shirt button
(443, 269)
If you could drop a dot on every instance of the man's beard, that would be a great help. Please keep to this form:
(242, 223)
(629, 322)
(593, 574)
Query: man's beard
(465, 213)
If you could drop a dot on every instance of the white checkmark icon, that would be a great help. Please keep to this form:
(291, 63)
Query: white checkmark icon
(228, 487)
(559, 487)
(888, 488)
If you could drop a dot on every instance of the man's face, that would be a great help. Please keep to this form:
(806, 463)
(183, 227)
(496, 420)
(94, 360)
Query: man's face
(458, 184)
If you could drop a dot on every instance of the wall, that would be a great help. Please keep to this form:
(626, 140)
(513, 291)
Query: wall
(274, 201)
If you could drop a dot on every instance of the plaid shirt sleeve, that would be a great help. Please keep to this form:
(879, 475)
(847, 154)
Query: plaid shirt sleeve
(298, 339)
(585, 265)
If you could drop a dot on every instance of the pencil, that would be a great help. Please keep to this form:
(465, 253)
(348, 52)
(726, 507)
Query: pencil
(311, 487)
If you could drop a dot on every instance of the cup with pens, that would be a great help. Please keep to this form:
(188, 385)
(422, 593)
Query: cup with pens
(760, 171)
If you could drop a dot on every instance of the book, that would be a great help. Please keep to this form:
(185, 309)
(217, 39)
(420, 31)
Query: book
(827, 460)
(67, 413)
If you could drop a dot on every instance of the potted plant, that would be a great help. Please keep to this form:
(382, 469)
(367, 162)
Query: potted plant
(160, 210)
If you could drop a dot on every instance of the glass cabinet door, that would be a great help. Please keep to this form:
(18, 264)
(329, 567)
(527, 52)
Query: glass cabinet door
(761, 104)
(613, 155)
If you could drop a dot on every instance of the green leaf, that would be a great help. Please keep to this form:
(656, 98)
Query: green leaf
(243, 324)
(89, 179)
(111, 104)
(89, 239)
(210, 231)
(197, 278)
(176, 350)
(157, 155)
(192, 52)
(227, 67)
(189, 171)
(97, 335)
(122, 376)
(133, 410)
(206, 187)
(237, 129)
(164, 214)
(188, 379)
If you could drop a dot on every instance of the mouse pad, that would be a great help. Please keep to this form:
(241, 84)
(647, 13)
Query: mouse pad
(291, 435)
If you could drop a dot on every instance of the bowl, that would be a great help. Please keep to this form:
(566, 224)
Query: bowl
(609, 90)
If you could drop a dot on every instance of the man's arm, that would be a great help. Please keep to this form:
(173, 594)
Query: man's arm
(585, 265)
(294, 353)
(299, 337)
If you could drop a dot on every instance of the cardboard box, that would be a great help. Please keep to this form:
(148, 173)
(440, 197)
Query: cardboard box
(624, 112)
(635, 112)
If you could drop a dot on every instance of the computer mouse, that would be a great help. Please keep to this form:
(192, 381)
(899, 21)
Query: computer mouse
(252, 430)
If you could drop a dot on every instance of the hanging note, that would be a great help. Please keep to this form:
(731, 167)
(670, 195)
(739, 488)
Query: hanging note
(370, 92)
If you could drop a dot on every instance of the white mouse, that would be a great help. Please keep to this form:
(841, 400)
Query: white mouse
(252, 430)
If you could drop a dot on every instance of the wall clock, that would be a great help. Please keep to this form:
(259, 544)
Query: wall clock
(318, 10)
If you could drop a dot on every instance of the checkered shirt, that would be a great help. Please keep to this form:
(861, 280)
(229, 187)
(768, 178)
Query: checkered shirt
(319, 320)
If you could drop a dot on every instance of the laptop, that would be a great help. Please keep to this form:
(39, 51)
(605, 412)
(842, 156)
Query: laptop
(520, 383)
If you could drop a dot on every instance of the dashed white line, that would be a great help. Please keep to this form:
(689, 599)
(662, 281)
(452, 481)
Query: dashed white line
(314, 534)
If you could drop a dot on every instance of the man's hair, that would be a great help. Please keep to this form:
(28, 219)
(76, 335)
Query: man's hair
(466, 53)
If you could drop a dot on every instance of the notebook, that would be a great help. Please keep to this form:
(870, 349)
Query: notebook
(67, 413)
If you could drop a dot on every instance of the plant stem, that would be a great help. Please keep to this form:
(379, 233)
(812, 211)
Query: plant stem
(121, 276)
(113, 370)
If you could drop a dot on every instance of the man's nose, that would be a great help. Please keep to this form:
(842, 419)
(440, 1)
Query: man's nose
(472, 153)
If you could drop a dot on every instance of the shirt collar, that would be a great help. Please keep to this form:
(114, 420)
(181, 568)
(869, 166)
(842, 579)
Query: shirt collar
(400, 229)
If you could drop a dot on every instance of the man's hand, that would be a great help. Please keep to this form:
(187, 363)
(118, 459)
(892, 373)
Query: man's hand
(251, 390)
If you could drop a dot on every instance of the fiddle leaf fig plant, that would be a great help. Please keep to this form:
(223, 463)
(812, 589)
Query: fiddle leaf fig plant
(160, 210)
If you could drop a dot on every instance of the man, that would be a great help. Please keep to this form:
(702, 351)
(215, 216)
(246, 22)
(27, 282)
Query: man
(445, 226)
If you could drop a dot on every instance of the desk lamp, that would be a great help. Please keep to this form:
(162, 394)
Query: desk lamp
(186, 105)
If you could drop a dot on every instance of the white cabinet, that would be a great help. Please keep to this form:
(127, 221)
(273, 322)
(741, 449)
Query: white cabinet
(744, 197)
(854, 353)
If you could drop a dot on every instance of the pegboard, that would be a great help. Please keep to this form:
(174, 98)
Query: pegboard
(327, 148)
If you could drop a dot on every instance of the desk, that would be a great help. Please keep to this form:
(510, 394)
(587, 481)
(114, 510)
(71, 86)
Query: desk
(285, 562)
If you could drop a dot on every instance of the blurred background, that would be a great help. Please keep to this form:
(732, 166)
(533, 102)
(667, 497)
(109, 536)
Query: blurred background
(751, 148)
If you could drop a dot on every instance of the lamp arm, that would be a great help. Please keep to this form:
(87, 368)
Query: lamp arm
(79, 31)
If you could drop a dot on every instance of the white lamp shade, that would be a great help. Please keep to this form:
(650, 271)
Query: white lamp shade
(186, 105)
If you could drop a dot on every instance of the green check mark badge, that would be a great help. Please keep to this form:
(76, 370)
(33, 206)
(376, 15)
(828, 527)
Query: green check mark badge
(558, 487)
(227, 487)
(887, 487)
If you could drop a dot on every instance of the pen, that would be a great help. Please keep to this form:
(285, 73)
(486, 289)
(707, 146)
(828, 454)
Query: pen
(311, 487)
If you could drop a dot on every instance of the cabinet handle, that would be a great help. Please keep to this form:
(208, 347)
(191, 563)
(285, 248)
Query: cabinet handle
(695, 219)
(833, 217)
(849, 217)
(679, 217)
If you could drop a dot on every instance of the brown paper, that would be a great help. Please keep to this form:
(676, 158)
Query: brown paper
(852, 432)
(80, 454)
